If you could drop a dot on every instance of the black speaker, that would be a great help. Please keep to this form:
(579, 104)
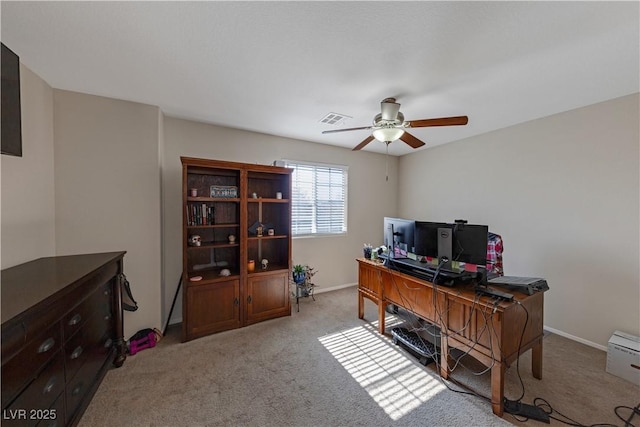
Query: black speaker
(11, 117)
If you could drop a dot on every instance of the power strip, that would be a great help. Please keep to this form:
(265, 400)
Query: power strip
(528, 411)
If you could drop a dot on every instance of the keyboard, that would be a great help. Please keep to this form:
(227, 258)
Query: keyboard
(427, 272)
(425, 349)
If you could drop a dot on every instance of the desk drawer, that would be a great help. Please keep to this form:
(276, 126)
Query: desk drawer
(411, 295)
(369, 280)
(24, 366)
(474, 325)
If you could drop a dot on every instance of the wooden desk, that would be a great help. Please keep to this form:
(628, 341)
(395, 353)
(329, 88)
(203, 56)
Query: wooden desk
(489, 332)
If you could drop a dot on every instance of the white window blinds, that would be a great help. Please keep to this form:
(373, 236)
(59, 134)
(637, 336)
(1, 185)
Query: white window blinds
(319, 202)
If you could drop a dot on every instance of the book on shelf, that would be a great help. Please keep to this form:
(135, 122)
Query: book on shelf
(200, 214)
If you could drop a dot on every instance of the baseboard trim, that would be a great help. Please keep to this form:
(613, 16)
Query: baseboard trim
(319, 290)
(175, 321)
(574, 338)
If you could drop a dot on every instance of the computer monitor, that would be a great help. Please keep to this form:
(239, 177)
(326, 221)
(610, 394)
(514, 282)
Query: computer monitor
(469, 243)
(456, 242)
(426, 237)
(398, 236)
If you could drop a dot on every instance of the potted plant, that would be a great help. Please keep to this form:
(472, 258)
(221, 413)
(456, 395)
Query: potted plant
(299, 273)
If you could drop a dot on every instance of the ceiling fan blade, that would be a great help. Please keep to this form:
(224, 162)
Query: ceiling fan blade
(411, 140)
(363, 143)
(442, 121)
(346, 130)
(390, 109)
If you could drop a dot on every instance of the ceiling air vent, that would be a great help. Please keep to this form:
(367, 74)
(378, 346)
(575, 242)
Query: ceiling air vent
(335, 119)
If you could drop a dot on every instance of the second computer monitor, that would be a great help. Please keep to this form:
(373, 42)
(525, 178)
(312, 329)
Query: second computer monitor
(470, 243)
(426, 237)
(463, 242)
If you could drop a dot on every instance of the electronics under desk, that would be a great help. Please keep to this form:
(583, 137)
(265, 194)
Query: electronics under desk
(488, 329)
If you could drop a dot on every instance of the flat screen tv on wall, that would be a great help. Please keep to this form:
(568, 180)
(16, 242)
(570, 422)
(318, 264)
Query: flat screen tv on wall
(11, 121)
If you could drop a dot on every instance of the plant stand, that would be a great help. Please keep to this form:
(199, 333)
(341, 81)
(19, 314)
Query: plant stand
(303, 290)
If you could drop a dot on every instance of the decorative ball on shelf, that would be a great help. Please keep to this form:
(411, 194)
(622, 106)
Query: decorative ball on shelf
(265, 264)
(232, 238)
(225, 272)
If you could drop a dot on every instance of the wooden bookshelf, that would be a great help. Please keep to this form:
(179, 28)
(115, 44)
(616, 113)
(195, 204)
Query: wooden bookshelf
(224, 205)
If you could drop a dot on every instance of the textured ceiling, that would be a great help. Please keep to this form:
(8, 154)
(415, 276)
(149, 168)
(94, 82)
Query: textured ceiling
(280, 67)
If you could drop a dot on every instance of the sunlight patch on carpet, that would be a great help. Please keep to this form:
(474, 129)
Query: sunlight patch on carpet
(396, 384)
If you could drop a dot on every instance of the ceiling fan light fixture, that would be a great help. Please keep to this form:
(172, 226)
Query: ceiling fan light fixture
(388, 134)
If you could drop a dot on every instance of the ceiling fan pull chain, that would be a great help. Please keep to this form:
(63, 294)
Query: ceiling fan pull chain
(386, 161)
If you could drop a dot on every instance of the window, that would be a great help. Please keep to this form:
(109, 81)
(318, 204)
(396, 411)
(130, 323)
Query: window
(319, 200)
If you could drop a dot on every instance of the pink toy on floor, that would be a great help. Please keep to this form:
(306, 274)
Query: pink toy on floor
(147, 341)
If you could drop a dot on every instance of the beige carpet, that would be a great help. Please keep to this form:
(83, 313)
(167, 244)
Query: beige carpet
(325, 367)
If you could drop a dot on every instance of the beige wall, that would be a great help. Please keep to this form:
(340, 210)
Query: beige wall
(370, 196)
(28, 228)
(107, 185)
(563, 191)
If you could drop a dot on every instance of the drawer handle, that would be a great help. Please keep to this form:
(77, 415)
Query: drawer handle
(75, 319)
(77, 352)
(49, 386)
(410, 288)
(249, 299)
(76, 390)
(46, 345)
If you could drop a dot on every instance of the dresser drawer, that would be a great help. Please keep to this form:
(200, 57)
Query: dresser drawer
(33, 404)
(99, 301)
(87, 377)
(90, 340)
(25, 366)
(55, 417)
(75, 351)
(14, 337)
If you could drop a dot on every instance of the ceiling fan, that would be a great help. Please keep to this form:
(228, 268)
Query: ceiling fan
(390, 125)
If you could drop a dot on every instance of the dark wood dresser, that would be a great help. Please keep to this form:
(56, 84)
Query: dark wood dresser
(62, 329)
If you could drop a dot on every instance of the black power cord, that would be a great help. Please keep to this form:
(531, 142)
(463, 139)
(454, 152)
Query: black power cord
(546, 407)
(541, 410)
(634, 411)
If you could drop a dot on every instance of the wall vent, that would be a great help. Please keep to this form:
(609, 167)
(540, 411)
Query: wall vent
(335, 119)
